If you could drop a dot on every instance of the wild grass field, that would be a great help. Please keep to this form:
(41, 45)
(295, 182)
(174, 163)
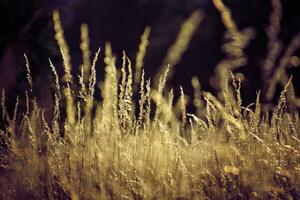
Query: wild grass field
(140, 142)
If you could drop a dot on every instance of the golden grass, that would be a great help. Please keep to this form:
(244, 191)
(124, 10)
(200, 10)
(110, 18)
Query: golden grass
(107, 151)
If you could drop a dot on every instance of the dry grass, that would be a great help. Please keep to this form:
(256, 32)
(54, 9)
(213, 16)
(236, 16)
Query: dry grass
(104, 150)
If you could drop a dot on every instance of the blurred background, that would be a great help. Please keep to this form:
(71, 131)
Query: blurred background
(26, 26)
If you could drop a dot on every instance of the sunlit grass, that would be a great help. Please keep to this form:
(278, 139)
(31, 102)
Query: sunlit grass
(119, 148)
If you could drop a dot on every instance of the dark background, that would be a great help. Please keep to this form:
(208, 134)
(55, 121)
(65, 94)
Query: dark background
(26, 26)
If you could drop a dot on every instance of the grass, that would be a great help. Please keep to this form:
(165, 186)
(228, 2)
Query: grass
(119, 148)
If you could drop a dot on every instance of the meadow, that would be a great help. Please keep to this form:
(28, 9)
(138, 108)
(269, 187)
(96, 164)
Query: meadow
(140, 142)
